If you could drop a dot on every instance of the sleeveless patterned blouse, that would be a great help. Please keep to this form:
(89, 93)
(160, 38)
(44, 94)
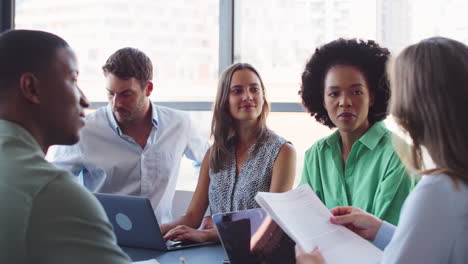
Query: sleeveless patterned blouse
(228, 193)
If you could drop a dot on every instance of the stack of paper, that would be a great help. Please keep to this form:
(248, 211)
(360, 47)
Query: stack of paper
(150, 261)
(302, 215)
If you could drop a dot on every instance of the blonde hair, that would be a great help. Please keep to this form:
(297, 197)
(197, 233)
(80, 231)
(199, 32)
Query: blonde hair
(223, 131)
(429, 83)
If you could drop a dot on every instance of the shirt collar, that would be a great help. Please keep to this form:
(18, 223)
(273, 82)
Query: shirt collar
(154, 115)
(115, 126)
(370, 139)
(11, 128)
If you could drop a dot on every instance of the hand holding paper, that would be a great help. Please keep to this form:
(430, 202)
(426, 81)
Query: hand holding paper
(302, 215)
(356, 220)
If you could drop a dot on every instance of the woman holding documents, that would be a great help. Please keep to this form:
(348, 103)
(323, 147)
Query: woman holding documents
(429, 100)
(245, 158)
(344, 86)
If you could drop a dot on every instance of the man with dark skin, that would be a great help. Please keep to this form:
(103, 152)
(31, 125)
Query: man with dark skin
(47, 217)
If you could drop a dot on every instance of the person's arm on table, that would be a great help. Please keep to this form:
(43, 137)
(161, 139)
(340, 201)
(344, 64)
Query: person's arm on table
(184, 227)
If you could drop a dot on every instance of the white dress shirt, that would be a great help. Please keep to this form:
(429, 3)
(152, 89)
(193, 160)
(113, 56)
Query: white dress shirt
(111, 162)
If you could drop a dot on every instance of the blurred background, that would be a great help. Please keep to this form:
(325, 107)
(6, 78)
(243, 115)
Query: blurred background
(191, 41)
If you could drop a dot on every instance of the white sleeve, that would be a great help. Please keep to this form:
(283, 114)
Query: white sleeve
(197, 145)
(384, 235)
(425, 228)
(67, 157)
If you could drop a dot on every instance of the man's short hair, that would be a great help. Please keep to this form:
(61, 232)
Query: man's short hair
(26, 51)
(130, 62)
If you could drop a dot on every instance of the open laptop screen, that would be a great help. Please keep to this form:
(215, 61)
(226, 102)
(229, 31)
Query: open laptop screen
(135, 224)
(251, 236)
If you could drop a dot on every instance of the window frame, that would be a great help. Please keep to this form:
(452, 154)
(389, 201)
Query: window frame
(7, 14)
(226, 56)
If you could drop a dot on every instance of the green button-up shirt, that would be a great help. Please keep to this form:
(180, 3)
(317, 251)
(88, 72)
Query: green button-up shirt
(45, 217)
(374, 178)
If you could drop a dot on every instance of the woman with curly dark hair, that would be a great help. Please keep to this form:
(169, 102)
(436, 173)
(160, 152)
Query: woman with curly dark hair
(430, 93)
(345, 86)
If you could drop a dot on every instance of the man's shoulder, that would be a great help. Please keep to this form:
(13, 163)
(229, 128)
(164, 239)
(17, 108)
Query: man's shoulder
(97, 123)
(168, 113)
(66, 205)
(24, 178)
(77, 201)
(98, 116)
(19, 188)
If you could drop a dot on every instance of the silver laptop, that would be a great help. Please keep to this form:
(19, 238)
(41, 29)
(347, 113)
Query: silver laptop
(251, 236)
(135, 224)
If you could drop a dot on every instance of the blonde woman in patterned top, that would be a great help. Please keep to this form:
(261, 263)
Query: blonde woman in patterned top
(245, 158)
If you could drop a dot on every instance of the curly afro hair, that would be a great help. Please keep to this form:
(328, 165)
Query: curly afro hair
(367, 56)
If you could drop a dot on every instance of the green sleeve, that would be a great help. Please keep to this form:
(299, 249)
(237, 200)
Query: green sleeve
(310, 172)
(68, 225)
(392, 191)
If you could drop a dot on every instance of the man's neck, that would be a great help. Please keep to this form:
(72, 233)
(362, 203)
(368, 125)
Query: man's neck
(139, 129)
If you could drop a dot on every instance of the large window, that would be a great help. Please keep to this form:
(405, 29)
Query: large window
(180, 37)
(279, 36)
(404, 22)
(185, 38)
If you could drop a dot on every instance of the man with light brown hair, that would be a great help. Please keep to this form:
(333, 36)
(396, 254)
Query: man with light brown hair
(133, 146)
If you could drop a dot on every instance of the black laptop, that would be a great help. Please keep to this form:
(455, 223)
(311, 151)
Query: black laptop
(135, 224)
(251, 236)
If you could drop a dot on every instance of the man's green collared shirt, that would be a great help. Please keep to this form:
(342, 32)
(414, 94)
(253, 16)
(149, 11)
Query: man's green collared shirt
(46, 217)
(374, 178)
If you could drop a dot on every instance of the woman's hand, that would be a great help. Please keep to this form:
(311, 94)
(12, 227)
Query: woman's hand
(357, 220)
(182, 232)
(314, 257)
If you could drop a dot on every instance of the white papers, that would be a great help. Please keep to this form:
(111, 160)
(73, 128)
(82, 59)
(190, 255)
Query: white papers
(302, 215)
(149, 261)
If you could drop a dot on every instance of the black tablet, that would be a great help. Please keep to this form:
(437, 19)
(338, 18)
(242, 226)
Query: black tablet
(251, 236)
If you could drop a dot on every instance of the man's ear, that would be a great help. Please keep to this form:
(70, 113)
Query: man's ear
(149, 88)
(29, 85)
